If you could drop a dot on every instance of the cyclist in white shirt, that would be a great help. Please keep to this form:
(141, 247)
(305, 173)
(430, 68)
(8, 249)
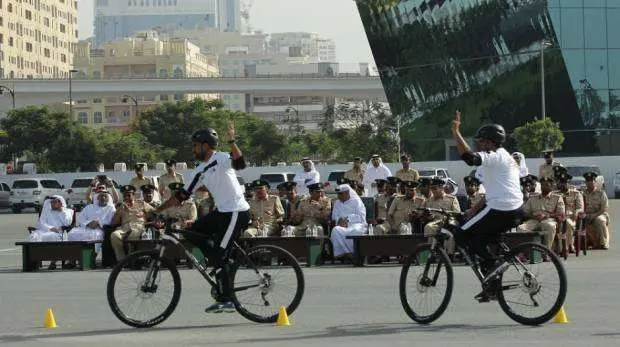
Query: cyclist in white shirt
(231, 214)
(503, 197)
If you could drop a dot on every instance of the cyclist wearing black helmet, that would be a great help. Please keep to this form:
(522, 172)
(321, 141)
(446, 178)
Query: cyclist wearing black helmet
(230, 216)
(503, 197)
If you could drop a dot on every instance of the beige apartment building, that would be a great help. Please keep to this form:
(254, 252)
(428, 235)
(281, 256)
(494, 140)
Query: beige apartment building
(37, 38)
(142, 56)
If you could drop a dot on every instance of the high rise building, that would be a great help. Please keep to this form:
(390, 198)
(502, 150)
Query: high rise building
(37, 38)
(303, 44)
(143, 56)
(229, 15)
(499, 61)
(116, 19)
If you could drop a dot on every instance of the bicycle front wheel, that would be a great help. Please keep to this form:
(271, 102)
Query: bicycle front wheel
(426, 283)
(144, 289)
(268, 278)
(534, 287)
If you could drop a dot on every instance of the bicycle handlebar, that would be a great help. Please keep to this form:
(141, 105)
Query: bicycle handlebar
(442, 211)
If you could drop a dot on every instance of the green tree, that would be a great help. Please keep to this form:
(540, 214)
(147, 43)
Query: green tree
(538, 135)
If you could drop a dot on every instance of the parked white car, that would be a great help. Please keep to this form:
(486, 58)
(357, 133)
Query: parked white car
(275, 178)
(31, 192)
(5, 195)
(617, 185)
(332, 178)
(431, 172)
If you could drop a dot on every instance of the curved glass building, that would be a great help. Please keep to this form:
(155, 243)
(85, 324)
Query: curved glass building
(487, 57)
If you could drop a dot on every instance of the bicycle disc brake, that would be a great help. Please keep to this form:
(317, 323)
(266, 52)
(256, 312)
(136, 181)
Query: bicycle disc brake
(531, 286)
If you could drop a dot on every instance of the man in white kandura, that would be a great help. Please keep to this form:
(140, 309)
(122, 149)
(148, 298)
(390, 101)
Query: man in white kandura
(375, 170)
(54, 216)
(92, 219)
(349, 217)
(308, 176)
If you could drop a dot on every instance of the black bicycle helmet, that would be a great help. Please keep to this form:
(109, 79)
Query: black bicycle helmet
(207, 135)
(492, 132)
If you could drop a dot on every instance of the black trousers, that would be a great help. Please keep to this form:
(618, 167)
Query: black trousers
(485, 227)
(221, 229)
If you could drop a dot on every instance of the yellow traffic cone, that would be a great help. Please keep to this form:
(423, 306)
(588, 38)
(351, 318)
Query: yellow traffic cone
(282, 317)
(560, 317)
(50, 322)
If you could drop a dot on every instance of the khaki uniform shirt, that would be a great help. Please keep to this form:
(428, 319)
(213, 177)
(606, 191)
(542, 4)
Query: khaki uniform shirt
(132, 219)
(137, 183)
(165, 180)
(594, 201)
(573, 202)
(269, 211)
(401, 207)
(546, 170)
(408, 175)
(447, 202)
(353, 175)
(186, 211)
(552, 204)
(314, 212)
(383, 204)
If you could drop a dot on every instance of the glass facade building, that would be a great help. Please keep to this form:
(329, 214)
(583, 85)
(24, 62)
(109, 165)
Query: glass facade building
(486, 57)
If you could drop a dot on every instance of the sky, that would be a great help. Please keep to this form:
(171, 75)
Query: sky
(334, 19)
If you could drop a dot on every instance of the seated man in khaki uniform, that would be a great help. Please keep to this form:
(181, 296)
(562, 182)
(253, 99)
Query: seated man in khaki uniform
(186, 212)
(424, 187)
(543, 212)
(403, 208)
(266, 211)
(440, 200)
(406, 173)
(382, 204)
(475, 199)
(528, 186)
(596, 205)
(313, 211)
(130, 216)
(148, 194)
(392, 188)
(291, 202)
(573, 204)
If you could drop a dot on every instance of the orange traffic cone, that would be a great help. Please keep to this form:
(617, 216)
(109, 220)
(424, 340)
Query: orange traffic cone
(49, 322)
(282, 317)
(560, 317)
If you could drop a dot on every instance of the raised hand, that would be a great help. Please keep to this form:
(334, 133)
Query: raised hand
(231, 131)
(456, 123)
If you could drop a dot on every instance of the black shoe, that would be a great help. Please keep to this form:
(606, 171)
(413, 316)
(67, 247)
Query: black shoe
(489, 291)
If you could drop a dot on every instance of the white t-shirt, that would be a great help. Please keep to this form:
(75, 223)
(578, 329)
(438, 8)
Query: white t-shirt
(500, 173)
(222, 183)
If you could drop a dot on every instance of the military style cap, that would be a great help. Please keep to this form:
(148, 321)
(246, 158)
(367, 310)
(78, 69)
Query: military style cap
(290, 185)
(375, 156)
(171, 162)
(357, 159)
(393, 180)
(546, 179)
(249, 186)
(547, 152)
(525, 180)
(128, 188)
(437, 181)
(404, 157)
(424, 181)
(563, 177)
(279, 186)
(259, 183)
(315, 186)
(147, 187)
(343, 180)
(139, 166)
(176, 185)
(590, 176)
(410, 184)
(471, 180)
(380, 181)
(534, 178)
(304, 159)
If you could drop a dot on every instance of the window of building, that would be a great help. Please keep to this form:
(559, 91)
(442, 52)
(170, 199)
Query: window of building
(46, 52)
(63, 58)
(96, 100)
(163, 73)
(97, 75)
(97, 118)
(28, 14)
(46, 22)
(62, 28)
(10, 42)
(163, 97)
(28, 47)
(1, 39)
(82, 101)
(83, 117)
(9, 8)
(178, 97)
(1, 22)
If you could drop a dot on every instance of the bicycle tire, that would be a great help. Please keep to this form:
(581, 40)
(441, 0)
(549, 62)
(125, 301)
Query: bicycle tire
(525, 248)
(280, 255)
(413, 260)
(129, 261)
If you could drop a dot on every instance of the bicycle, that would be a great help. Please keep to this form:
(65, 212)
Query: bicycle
(519, 285)
(258, 276)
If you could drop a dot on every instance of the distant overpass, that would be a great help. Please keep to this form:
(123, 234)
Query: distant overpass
(45, 91)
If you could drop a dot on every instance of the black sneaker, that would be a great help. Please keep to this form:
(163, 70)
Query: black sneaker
(489, 291)
(220, 307)
(497, 269)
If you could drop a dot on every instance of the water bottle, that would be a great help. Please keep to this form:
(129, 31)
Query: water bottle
(371, 229)
(315, 231)
(65, 236)
(264, 231)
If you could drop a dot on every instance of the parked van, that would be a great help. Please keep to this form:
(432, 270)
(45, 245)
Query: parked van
(31, 192)
(275, 178)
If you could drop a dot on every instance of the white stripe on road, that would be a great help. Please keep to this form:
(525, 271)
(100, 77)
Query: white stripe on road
(8, 249)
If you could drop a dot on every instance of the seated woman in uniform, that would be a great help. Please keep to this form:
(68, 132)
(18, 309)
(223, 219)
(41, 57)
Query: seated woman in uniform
(54, 217)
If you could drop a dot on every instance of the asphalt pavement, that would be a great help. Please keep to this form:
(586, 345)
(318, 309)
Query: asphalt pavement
(342, 306)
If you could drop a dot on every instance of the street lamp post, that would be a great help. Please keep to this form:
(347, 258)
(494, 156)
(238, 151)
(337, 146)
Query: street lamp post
(126, 98)
(71, 72)
(544, 44)
(11, 91)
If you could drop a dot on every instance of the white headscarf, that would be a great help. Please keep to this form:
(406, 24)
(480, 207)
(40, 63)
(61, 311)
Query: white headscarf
(356, 202)
(96, 199)
(96, 212)
(372, 173)
(313, 176)
(50, 218)
(523, 170)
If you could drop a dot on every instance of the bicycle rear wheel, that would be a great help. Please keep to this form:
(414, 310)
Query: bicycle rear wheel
(534, 287)
(144, 289)
(426, 283)
(269, 277)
